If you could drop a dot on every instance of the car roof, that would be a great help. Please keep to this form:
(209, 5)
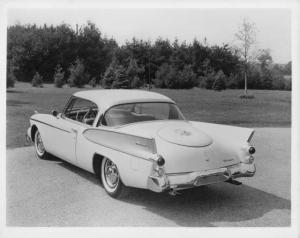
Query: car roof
(106, 98)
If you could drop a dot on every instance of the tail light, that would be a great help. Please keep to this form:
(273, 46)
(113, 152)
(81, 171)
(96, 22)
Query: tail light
(160, 161)
(251, 150)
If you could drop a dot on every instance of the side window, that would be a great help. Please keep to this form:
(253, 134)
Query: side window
(81, 110)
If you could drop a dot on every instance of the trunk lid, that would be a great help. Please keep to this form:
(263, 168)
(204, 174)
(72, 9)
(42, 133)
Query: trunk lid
(186, 147)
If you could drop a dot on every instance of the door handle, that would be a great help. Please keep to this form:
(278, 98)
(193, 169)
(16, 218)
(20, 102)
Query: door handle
(74, 130)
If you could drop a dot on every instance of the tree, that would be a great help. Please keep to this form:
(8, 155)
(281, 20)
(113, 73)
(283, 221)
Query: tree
(133, 73)
(246, 36)
(121, 78)
(161, 75)
(220, 81)
(288, 68)
(11, 79)
(110, 74)
(207, 81)
(10, 76)
(78, 77)
(187, 77)
(92, 82)
(172, 79)
(95, 50)
(37, 80)
(59, 77)
(265, 61)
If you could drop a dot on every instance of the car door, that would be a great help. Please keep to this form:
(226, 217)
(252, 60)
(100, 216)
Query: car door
(72, 121)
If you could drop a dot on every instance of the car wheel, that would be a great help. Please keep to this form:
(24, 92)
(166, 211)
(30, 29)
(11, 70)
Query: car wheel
(39, 146)
(111, 179)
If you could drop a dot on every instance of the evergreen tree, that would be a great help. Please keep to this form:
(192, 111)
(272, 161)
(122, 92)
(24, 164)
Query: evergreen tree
(10, 76)
(59, 77)
(172, 79)
(121, 78)
(265, 60)
(133, 73)
(37, 80)
(220, 81)
(110, 75)
(161, 75)
(78, 77)
(92, 82)
(187, 77)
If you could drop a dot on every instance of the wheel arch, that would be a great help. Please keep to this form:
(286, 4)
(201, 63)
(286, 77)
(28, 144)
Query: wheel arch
(97, 160)
(33, 131)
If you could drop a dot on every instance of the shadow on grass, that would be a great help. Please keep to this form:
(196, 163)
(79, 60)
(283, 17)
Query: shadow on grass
(14, 91)
(16, 103)
(203, 206)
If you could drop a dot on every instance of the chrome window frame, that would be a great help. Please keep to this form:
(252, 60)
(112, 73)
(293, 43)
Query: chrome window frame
(71, 101)
(100, 121)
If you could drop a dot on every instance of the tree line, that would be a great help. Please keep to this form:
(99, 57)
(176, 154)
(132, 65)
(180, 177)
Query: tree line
(63, 55)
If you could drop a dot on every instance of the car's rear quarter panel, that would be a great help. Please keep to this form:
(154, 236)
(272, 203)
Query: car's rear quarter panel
(134, 171)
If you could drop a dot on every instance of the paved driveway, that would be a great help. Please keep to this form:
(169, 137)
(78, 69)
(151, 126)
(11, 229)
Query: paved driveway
(55, 193)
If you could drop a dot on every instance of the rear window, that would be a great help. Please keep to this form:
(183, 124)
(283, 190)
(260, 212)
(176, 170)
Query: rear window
(138, 112)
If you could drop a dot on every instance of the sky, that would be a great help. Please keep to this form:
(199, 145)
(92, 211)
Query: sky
(218, 26)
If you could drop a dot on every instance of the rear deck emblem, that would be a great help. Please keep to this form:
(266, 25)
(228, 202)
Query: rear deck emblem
(182, 132)
(227, 160)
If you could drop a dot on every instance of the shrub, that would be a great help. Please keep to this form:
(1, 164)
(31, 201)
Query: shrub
(187, 78)
(207, 81)
(37, 80)
(232, 81)
(247, 96)
(220, 81)
(78, 77)
(10, 79)
(59, 77)
(202, 81)
(168, 76)
(92, 82)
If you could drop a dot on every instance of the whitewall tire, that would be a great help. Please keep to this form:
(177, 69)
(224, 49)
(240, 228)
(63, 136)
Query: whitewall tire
(39, 146)
(111, 179)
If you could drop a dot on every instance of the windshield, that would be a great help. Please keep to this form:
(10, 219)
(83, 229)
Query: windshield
(138, 112)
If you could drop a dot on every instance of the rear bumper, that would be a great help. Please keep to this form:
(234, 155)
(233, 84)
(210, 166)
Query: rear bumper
(194, 179)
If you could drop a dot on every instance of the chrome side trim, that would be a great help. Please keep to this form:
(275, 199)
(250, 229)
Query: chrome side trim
(49, 125)
(115, 148)
(250, 137)
(124, 143)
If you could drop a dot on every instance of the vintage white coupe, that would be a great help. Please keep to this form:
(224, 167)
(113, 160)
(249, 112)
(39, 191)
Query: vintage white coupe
(135, 138)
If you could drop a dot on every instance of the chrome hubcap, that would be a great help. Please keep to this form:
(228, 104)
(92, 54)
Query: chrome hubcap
(111, 174)
(39, 144)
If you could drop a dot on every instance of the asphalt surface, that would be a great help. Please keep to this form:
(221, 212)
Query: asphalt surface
(55, 193)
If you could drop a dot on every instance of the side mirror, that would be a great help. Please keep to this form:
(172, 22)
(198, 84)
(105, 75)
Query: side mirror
(54, 113)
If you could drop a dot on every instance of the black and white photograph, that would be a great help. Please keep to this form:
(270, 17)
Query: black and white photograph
(130, 115)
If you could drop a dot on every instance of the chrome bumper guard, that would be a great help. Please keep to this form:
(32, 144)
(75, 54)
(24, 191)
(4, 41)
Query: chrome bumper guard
(194, 179)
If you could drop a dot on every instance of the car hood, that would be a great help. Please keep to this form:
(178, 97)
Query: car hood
(176, 132)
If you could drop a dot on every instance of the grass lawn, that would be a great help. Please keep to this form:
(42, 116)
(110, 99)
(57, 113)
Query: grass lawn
(267, 109)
